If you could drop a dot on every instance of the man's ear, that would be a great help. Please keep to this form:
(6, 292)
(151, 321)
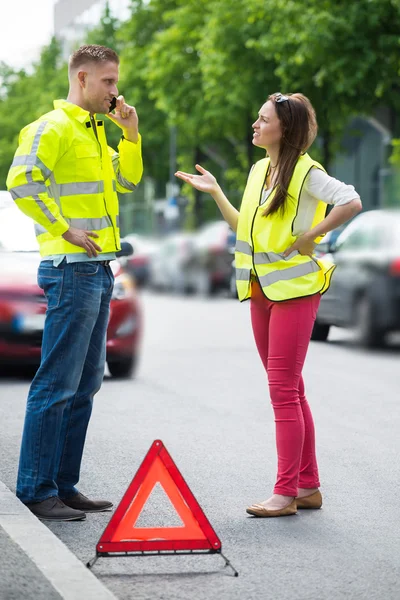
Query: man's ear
(82, 78)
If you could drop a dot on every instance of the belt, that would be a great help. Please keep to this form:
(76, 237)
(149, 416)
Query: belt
(105, 263)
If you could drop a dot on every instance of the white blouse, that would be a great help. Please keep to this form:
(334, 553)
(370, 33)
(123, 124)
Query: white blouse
(318, 186)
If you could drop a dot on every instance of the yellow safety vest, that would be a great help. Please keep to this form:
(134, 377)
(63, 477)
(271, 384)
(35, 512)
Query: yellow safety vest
(261, 241)
(64, 174)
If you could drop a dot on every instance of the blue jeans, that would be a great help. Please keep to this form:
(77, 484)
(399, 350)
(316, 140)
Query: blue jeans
(71, 372)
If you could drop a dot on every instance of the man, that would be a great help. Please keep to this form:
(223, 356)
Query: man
(66, 178)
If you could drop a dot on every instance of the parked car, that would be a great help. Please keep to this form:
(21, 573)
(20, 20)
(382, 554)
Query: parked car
(23, 304)
(210, 266)
(365, 289)
(138, 264)
(328, 241)
(168, 265)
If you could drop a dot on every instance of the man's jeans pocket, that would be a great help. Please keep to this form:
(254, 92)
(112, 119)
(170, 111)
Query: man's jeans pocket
(50, 280)
(87, 268)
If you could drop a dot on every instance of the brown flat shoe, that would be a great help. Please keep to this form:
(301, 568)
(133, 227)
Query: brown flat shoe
(258, 510)
(312, 501)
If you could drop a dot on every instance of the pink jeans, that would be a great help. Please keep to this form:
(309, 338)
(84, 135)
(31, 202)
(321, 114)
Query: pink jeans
(282, 332)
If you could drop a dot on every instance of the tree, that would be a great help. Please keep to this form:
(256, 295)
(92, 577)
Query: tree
(24, 97)
(136, 38)
(344, 56)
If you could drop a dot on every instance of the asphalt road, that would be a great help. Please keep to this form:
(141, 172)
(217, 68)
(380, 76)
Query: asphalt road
(201, 389)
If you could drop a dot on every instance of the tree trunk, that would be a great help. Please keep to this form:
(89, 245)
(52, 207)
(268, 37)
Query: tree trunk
(326, 151)
(197, 209)
(249, 144)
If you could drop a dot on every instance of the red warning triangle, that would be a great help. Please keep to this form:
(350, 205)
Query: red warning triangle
(122, 535)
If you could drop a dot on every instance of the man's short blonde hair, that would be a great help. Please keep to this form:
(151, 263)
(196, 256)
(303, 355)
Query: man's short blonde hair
(91, 54)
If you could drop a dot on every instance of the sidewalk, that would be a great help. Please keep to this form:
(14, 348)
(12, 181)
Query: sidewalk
(35, 563)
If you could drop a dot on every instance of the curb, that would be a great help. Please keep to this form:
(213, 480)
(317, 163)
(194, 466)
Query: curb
(64, 571)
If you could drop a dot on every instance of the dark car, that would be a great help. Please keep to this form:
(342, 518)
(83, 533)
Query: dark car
(328, 242)
(365, 288)
(23, 304)
(210, 266)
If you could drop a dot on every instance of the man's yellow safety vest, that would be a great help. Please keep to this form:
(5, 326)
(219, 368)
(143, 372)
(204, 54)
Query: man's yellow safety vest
(65, 175)
(261, 241)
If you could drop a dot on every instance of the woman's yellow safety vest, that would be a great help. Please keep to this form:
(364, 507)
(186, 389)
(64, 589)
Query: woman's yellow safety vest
(65, 175)
(261, 241)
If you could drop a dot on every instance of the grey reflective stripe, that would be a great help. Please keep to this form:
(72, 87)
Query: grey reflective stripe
(44, 209)
(124, 182)
(114, 185)
(243, 247)
(242, 274)
(33, 188)
(28, 189)
(261, 258)
(36, 139)
(287, 274)
(35, 146)
(39, 229)
(29, 159)
(86, 224)
(79, 188)
(100, 223)
(53, 191)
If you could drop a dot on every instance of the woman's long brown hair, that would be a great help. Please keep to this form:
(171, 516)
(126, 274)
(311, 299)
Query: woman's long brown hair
(299, 130)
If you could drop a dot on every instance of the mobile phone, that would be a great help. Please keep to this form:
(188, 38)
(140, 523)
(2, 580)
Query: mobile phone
(113, 104)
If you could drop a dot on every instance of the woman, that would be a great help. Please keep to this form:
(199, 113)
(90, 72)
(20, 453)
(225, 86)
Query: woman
(281, 218)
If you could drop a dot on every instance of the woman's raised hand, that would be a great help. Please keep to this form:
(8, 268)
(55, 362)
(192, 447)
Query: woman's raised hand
(205, 182)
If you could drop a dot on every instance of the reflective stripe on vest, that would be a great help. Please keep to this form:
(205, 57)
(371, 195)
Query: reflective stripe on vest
(84, 224)
(26, 160)
(78, 188)
(243, 274)
(124, 182)
(290, 273)
(28, 189)
(243, 247)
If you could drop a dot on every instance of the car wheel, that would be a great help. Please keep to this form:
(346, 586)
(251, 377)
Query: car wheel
(203, 284)
(123, 368)
(232, 285)
(320, 332)
(367, 331)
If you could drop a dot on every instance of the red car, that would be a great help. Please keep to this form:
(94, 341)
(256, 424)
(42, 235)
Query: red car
(23, 304)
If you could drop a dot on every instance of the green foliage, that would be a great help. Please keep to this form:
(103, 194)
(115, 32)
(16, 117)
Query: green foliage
(206, 66)
(106, 33)
(25, 96)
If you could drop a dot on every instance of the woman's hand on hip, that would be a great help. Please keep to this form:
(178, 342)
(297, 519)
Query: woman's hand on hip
(205, 182)
(304, 244)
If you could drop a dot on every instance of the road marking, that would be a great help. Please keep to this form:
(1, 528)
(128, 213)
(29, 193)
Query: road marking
(66, 573)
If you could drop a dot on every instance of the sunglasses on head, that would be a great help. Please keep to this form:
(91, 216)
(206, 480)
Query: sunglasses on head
(281, 98)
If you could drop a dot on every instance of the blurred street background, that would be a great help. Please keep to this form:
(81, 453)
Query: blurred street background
(181, 362)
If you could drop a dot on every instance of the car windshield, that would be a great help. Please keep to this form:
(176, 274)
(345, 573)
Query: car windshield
(17, 232)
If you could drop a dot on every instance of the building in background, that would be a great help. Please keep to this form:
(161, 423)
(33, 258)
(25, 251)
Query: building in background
(73, 18)
(363, 161)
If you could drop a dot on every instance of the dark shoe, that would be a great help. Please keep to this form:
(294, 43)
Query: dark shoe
(312, 501)
(80, 502)
(53, 509)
